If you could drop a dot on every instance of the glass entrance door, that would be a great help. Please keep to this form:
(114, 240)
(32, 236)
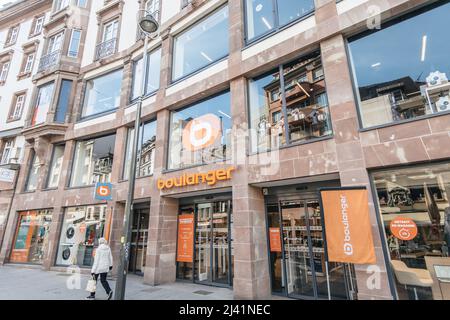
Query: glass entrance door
(298, 266)
(139, 237)
(213, 243)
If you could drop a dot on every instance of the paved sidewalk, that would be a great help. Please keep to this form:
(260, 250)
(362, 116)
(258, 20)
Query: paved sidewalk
(25, 283)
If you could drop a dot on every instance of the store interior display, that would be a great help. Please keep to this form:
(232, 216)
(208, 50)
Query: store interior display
(82, 228)
(420, 195)
(31, 237)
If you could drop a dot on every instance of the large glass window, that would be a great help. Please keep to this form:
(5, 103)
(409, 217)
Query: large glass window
(33, 173)
(402, 70)
(200, 133)
(153, 74)
(103, 93)
(145, 161)
(93, 161)
(43, 103)
(55, 166)
(415, 211)
(202, 44)
(264, 16)
(303, 100)
(63, 101)
(82, 228)
(32, 237)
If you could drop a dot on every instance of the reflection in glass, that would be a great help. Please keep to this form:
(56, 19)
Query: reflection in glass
(202, 44)
(43, 102)
(402, 70)
(153, 74)
(33, 173)
(55, 166)
(421, 195)
(32, 237)
(146, 150)
(82, 227)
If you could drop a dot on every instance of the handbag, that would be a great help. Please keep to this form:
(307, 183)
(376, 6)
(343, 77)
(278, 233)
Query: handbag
(91, 285)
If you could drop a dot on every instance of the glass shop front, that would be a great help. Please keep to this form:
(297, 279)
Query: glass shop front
(296, 246)
(205, 250)
(414, 206)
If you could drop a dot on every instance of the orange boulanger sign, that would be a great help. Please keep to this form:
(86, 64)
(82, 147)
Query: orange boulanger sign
(275, 239)
(201, 132)
(403, 228)
(210, 178)
(347, 226)
(185, 247)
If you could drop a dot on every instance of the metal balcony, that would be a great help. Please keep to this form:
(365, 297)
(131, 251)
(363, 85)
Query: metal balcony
(106, 49)
(50, 60)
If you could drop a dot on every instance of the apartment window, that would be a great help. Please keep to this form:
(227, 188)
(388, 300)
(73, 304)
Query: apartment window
(33, 173)
(17, 107)
(102, 94)
(201, 45)
(108, 45)
(74, 45)
(265, 16)
(201, 133)
(28, 64)
(402, 70)
(152, 6)
(55, 166)
(8, 150)
(61, 4)
(110, 30)
(82, 3)
(55, 43)
(63, 101)
(152, 75)
(38, 25)
(146, 150)
(93, 161)
(43, 103)
(12, 36)
(4, 69)
(305, 104)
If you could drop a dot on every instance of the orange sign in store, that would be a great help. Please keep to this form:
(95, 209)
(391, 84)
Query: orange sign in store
(403, 228)
(347, 226)
(201, 132)
(210, 178)
(275, 239)
(185, 246)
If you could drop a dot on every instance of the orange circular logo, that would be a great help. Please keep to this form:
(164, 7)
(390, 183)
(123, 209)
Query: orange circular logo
(201, 132)
(403, 228)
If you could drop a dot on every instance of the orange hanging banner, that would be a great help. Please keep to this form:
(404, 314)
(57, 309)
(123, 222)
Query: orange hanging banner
(185, 249)
(347, 225)
(275, 239)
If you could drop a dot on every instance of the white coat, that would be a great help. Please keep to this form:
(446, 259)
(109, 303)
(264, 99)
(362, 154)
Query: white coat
(102, 260)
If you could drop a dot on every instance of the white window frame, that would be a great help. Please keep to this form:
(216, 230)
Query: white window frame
(4, 71)
(7, 151)
(39, 25)
(18, 107)
(28, 67)
(69, 52)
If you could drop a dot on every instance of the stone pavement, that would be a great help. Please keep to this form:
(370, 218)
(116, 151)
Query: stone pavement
(26, 283)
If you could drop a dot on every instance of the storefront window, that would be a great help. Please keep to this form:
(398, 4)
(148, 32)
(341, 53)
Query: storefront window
(153, 74)
(264, 16)
(145, 161)
(93, 161)
(33, 173)
(193, 48)
(32, 237)
(102, 94)
(402, 70)
(55, 167)
(82, 228)
(415, 210)
(306, 105)
(43, 102)
(201, 133)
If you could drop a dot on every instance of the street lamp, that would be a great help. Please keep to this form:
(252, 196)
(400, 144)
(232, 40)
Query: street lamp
(150, 28)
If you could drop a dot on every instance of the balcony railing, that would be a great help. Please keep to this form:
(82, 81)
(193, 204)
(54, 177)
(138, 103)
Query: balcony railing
(106, 49)
(50, 60)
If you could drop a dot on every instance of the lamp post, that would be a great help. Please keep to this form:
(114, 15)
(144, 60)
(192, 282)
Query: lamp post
(149, 26)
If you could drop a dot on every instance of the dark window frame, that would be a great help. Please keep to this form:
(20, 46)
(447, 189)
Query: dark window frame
(146, 75)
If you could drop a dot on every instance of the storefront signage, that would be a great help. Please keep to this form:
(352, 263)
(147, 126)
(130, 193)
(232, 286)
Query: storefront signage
(210, 178)
(7, 175)
(103, 191)
(347, 225)
(185, 247)
(403, 228)
(201, 132)
(275, 239)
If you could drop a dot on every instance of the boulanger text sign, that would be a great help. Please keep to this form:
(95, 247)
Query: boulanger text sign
(210, 178)
(347, 226)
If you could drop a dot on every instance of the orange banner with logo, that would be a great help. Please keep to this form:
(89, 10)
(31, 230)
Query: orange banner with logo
(347, 226)
(275, 239)
(185, 249)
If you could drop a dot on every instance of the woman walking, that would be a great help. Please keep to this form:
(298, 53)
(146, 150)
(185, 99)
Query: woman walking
(103, 263)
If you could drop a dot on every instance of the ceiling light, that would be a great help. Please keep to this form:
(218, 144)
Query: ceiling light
(206, 56)
(376, 65)
(424, 48)
(264, 20)
(259, 7)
